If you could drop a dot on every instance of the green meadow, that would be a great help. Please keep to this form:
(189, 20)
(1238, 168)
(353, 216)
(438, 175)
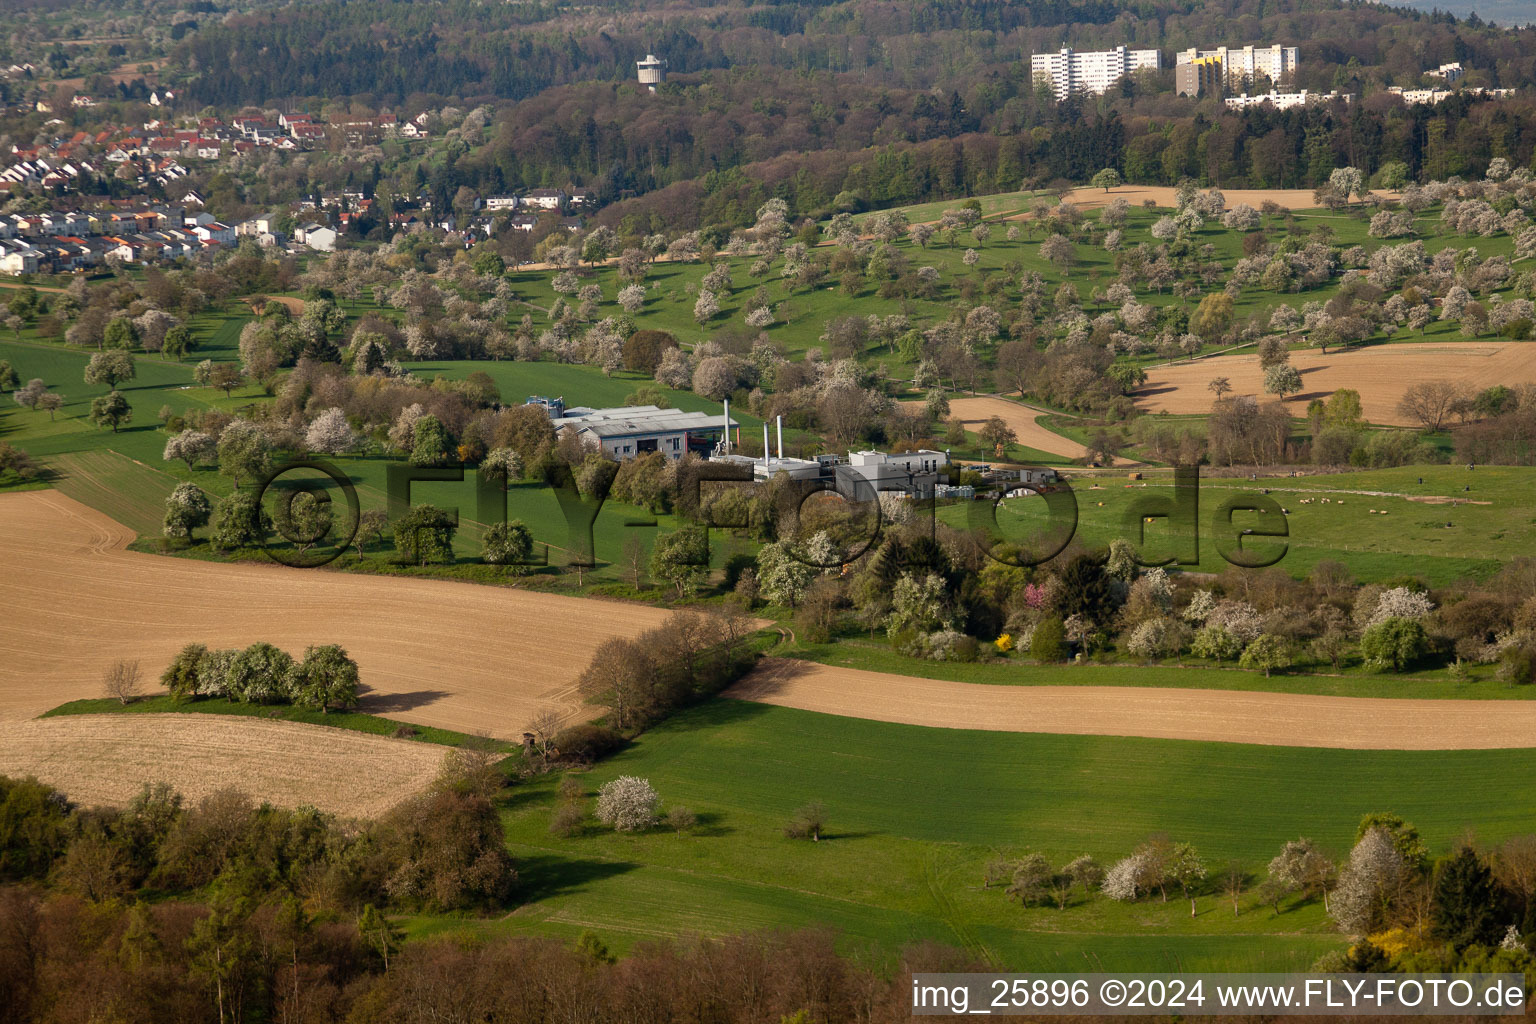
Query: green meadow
(914, 813)
(1440, 523)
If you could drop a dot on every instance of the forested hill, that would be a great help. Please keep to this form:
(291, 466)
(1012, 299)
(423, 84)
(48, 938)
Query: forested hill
(468, 50)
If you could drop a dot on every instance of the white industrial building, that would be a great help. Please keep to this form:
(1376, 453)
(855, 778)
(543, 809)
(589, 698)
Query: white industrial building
(632, 430)
(1069, 71)
(1243, 65)
(861, 478)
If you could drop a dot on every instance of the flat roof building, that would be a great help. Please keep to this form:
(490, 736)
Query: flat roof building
(1242, 66)
(1069, 71)
(632, 430)
(1199, 77)
(1285, 100)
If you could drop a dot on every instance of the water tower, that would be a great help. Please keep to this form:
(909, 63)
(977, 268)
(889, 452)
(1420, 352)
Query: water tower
(652, 70)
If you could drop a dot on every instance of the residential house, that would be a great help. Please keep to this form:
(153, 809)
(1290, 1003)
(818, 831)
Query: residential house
(316, 236)
(546, 198)
(19, 258)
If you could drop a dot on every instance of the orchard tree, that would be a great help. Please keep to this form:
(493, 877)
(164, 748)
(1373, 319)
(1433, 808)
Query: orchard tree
(225, 377)
(706, 308)
(430, 443)
(370, 529)
(1265, 653)
(178, 342)
(238, 522)
(1348, 181)
(1371, 885)
(1059, 250)
(1186, 869)
(29, 396)
(1219, 386)
(50, 402)
(488, 263)
(186, 509)
(302, 519)
(510, 544)
(502, 464)
(1302, 868)
(1282, 379)
(628, 804)
(681, 558)
(111, 410)
(110, 368)
(120, 333)
(330, 433)
(425, 535)
(244, 451)
(191, 447)
(185, 675)
(998, 434)
(326, 678)
(1273, 351)
(632, 298)
(1394, 643)
(782, 578)
(1285, 319)
(260, 674)
(1212, 317)
(1106, 179)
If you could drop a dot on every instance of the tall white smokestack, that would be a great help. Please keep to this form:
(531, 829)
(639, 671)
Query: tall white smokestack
(765, 442)
(727, 426)
(779, 422)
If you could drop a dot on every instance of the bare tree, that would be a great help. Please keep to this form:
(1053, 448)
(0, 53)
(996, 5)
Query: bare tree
(121, 681)
(808, 823)
(633, 559)
(543, 728)
(1429, 402)
(1234, 881)
(1515, 866)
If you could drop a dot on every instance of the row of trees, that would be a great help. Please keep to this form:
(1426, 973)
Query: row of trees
(1469, 910)
(263, 674)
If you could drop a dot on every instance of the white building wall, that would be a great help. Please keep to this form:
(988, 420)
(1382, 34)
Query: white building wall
(1248, 62)
(1094, 71)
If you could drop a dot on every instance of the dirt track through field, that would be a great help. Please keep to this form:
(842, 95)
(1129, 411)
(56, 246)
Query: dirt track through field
(1024, 421)
(1229, 716)
(1381, 373)
(105, 759)
(456, 655)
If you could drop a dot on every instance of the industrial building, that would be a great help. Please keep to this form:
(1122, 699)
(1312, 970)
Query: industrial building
(628, 431)
(1242, 66)
(1069, 71)
(860, 478)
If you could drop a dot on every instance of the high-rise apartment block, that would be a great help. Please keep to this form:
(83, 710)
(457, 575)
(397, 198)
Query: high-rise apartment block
(1199, 77)
(1242, 66)
(1069, 71)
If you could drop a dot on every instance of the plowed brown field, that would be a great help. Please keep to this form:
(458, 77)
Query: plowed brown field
(1228, 716)
(1381, 374)
(1088, 197)
(455, 655)
(105, 759)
